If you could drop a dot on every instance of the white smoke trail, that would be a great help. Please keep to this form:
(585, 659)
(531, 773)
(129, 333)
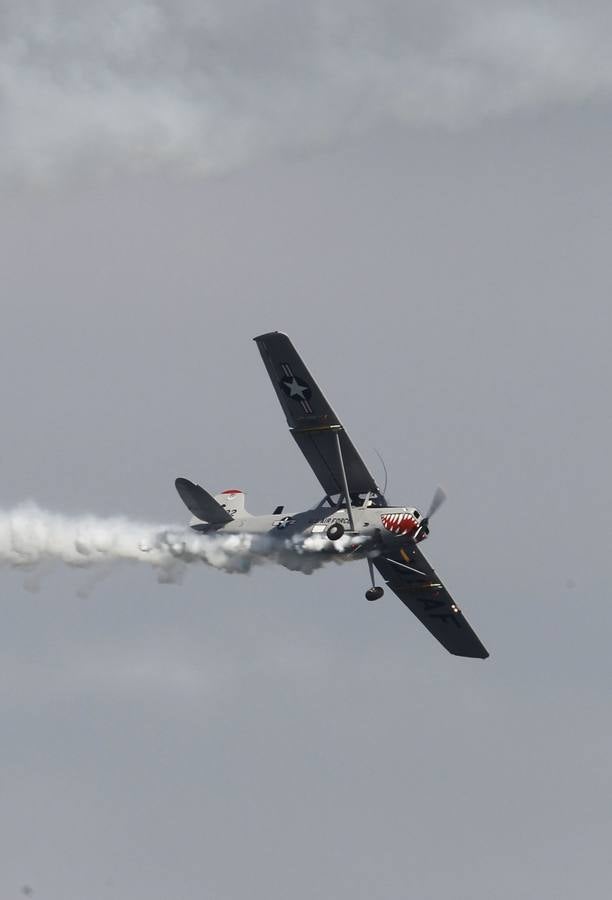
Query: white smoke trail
(206, 86)
(31, 537)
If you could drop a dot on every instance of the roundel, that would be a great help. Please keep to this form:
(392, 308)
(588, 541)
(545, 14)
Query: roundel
(295, 388)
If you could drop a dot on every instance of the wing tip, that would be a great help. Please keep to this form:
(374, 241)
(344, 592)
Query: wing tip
(481, 653)
(269, 335)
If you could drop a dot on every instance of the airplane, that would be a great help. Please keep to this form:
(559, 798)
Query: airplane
(353, 507)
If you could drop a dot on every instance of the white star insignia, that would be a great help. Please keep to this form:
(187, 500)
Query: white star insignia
(295, 390)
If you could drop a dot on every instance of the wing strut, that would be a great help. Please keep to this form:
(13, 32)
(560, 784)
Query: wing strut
(347, 496)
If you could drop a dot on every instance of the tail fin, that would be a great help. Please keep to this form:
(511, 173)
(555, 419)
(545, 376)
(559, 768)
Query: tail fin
(232, 502)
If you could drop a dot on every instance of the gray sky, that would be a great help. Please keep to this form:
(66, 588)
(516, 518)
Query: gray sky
(441, 259)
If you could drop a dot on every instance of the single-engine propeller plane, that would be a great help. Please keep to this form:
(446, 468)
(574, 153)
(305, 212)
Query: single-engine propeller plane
(353, 506)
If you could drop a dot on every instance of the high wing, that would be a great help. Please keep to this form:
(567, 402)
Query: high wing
(410, 576)
(311, 420)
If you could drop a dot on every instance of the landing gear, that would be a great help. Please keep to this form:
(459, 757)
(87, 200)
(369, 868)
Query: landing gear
(373, 593)
(335, 531)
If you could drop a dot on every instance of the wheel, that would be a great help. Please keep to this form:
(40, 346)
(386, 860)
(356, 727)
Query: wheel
(374, 593)
(335, 531)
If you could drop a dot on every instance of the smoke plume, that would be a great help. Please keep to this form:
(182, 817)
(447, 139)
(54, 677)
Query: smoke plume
(31, 537)
(207, 86)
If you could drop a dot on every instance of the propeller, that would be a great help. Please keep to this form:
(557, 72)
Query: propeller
(436, 502)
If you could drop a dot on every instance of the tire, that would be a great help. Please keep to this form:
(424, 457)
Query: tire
(374, 593)
(335, 531)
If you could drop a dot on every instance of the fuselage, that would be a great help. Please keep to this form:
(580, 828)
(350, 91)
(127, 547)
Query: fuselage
(380, 524)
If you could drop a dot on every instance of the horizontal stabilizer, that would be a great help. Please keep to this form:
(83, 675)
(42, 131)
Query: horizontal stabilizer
(200, 503)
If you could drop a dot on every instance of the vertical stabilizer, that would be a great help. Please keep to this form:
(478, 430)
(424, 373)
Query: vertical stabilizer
(232, 502)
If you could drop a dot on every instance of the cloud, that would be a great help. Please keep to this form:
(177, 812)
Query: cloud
(207, 86)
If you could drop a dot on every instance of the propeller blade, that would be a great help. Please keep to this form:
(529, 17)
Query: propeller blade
(436, 502)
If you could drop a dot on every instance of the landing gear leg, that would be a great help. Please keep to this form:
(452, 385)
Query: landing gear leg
(373, 593)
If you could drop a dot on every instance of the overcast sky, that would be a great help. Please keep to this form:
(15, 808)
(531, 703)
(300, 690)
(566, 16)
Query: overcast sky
(419, 194)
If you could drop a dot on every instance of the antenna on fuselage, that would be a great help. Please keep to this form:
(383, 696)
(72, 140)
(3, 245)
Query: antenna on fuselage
(379, 455)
